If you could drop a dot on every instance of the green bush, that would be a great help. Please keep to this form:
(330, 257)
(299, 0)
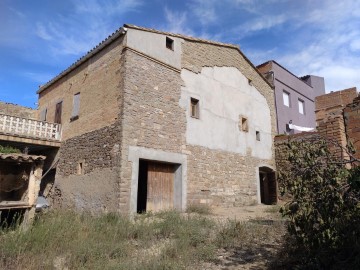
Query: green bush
(324, 210)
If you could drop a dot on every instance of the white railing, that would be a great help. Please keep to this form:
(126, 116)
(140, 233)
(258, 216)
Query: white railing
(30, 128)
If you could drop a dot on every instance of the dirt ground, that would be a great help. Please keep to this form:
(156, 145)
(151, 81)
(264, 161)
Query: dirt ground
(263, 251)
(246, 213)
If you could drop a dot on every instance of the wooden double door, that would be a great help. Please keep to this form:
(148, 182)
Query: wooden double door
(155, 186)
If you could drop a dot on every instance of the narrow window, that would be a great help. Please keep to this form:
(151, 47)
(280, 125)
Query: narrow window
(80, 168)
(43, 115)
(58, 112)
(286, 99)
(258, 135)
(76, 107)
(244, 124)
(169, 43)
(194, 107)
(301, 104)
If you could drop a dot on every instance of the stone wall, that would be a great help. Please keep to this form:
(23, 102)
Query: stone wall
(88, 171)
(222, 178)
(17, 110)
(152, 117)
(98, 80)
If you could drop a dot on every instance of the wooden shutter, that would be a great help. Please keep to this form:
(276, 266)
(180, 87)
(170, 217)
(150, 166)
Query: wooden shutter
(76, 105)
(160, 192)
(43, 115)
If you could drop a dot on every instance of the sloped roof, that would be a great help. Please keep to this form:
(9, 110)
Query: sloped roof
(122, 31)
(21, 157)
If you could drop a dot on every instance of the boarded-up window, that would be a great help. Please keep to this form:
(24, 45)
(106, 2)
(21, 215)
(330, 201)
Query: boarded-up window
(43, 115)
(76, 107)
(194, 108)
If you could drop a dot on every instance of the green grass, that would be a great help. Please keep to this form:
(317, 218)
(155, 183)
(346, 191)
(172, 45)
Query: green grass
(166, 240)
(8, 150)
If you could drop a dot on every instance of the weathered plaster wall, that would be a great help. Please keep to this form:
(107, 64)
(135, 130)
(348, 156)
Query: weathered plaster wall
(98, 81)
(96, 191)
(154, 45)
(228, 175)
(17, 110)
(225, 96)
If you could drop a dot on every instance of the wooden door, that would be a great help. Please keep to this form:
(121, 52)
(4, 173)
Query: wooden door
(160, 186)
(58, 111)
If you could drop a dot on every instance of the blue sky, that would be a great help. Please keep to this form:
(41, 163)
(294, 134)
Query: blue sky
(40, 38)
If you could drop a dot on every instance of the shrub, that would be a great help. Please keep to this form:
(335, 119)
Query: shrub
(324, 206)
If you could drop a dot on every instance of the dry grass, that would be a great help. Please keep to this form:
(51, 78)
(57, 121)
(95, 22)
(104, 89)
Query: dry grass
(167, 240)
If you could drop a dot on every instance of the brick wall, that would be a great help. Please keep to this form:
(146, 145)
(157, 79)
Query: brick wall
(352, 120)
(333, 103)
(17, 110)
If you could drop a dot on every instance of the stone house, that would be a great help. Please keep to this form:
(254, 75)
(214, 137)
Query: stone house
(153, 120)
(294, 97)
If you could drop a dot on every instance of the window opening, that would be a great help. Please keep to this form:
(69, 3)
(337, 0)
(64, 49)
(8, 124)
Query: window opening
(258, 135)
(286, 99)
(80, 168)
(244, 124)
(301, 106)
(169, 43)
(194, 107)
(58, 111)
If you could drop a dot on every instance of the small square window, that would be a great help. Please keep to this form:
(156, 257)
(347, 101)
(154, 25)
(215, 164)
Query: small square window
(258, 135)
(194, 108)
(301, 104)
(286, 99)
(244, 124)
(169, 43)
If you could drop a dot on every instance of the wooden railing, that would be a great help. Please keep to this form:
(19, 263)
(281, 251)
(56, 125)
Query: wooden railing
(18, 126)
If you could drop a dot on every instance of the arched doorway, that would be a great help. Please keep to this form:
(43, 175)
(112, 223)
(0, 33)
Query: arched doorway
(268, 186)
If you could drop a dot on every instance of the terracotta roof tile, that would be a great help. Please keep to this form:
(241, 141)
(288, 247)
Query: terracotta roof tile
(21, 157)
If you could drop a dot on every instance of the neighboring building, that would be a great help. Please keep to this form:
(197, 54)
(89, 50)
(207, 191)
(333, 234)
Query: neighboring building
(294, 97)
(337, 120)
(153, 120)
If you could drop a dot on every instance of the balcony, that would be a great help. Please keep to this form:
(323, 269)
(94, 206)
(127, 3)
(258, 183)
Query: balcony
(19, 129)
